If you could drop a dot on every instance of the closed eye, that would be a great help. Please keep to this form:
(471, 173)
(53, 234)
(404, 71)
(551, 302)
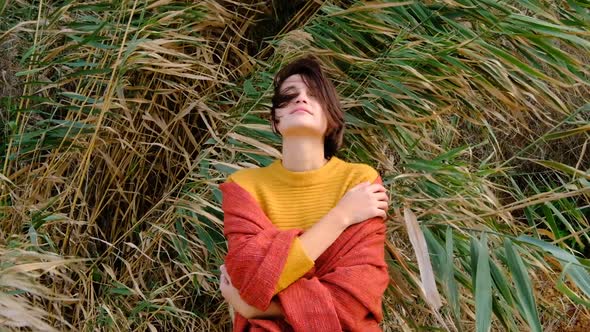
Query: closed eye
(289, 90)
(283, 99)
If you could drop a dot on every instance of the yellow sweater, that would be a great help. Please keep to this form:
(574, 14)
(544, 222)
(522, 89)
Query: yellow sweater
(299, 200)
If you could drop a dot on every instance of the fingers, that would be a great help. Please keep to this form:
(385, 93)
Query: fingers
(224, 274)
(381, 196)
(382, 205)
(372, 187)
(223, 284)
(376, 187)
(379, 212)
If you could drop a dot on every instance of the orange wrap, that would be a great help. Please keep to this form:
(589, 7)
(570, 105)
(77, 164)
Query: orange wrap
(343, 291)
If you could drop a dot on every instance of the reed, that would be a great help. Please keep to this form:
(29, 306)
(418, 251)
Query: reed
(120, 119)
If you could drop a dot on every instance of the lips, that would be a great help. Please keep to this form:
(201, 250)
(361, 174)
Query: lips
(300, 109)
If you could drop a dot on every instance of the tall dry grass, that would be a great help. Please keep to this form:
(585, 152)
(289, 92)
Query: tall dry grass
(119, 120)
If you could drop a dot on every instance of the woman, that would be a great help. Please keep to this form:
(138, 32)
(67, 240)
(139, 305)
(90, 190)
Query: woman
(321, 196)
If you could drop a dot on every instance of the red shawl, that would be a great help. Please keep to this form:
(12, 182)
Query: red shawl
(342, 292)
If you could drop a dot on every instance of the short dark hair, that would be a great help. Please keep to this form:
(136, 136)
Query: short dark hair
(311, 72)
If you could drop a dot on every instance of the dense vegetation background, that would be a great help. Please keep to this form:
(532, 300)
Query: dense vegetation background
(118, 120)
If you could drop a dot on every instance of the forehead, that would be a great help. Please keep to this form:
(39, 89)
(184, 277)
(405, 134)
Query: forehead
(293, 80)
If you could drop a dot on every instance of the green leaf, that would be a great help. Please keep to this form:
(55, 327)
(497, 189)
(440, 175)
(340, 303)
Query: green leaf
(451, 283)
(483, 288)
(577, 271)
(563, 168)
(120, 289)
(523, 287)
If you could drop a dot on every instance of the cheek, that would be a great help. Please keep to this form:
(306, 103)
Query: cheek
(279, 113)
(324, 121)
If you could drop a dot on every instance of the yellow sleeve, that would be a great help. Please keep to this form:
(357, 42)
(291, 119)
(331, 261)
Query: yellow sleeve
(297, 265)
(371, 174)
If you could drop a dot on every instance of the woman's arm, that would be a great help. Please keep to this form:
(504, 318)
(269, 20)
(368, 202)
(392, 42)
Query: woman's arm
(348, 294)
(363, 201)
(256, 248)
(314, 241)
(333, 288)
(275, 310)
(232, 296)
(322, 234)
(344, 298)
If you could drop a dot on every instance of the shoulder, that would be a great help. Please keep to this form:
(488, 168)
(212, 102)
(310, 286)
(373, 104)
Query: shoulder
(249, 177)
(361, 172)
(253, 180)
(246, 175)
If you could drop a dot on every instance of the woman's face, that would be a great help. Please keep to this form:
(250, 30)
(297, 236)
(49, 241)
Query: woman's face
(303, 115)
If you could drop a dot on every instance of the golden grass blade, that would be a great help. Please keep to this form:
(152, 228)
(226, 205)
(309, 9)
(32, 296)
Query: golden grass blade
(428, 285)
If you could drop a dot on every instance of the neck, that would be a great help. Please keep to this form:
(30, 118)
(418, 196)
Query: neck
(303, 153)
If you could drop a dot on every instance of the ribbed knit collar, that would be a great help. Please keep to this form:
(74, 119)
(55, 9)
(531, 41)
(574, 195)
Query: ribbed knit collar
(304, 178)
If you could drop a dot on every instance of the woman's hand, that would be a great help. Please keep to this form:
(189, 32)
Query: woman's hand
(232, 296)
(363, 201)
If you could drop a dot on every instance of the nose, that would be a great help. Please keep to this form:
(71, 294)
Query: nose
(301, 97)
